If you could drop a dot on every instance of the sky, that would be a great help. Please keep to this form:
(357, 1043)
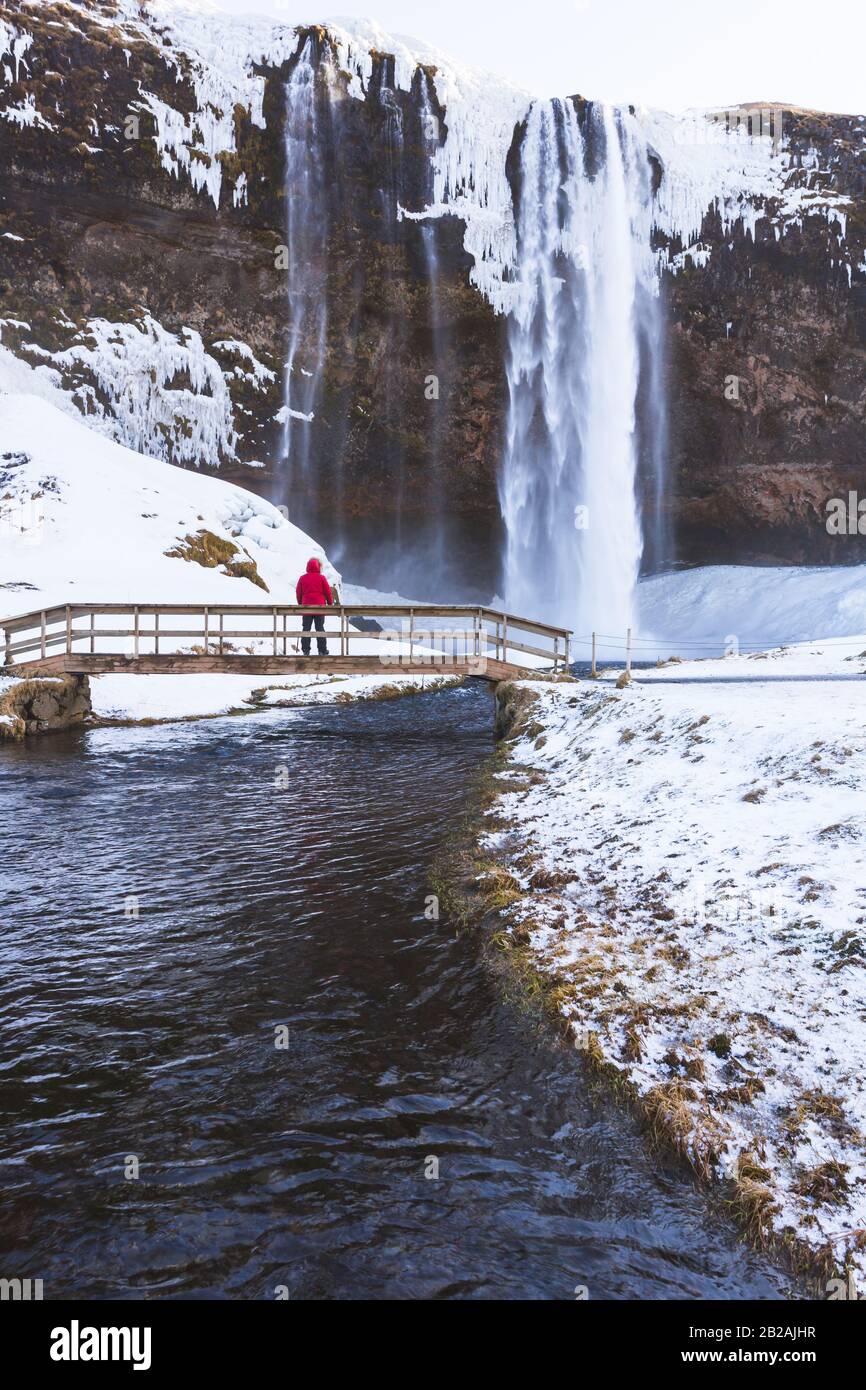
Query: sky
(668, 53)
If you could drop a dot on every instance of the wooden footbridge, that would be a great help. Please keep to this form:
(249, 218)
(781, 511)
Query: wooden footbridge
(248, 639)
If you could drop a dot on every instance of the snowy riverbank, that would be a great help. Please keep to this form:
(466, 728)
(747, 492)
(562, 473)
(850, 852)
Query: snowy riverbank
(689, 862)
(157, 698)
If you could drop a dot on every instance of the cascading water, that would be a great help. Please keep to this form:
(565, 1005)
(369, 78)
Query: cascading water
(436, 552)
(306, 243)
(585, 289)
(390, 192)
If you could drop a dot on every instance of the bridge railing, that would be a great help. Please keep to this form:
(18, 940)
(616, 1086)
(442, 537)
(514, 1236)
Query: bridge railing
(439, 634)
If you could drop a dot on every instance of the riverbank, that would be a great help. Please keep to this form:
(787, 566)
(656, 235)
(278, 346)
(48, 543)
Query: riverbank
(42, 705)
(158, 699)
(677, 869)
(46, 704)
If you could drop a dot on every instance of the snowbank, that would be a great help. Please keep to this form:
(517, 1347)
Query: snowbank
(691, 864)
(195, 697)
(84, 518)
(725, 608)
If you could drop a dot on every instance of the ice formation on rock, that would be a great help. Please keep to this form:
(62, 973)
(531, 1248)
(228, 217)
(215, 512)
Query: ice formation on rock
(158, 393)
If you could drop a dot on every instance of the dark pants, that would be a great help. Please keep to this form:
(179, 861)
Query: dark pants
(307, 621)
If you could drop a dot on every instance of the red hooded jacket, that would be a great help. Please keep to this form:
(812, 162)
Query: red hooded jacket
(313, 588)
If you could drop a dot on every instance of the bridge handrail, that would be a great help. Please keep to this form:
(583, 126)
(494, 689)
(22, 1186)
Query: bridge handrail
(507, 627)
(78, 609)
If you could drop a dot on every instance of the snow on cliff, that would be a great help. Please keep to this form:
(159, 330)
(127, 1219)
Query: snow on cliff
(705, 166)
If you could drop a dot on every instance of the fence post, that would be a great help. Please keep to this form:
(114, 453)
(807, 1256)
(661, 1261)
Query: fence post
(594, 666)
(628, 652)
(136, 632)
(68, 630)
(156, 633)
(206, 645)
(276, 651)
(222, 616)
(8, 636)
(92, 639)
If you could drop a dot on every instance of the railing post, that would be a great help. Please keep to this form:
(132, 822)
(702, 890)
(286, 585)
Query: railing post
(155, 633)
(42, 637)
(276, 653)
(594, 667)
(136, 631)
(285, 639)
(628, 652)
(411, 632)
(68, 630)
(344, 632)
(222, 617)
(206, 645)
(92, 638)
(8, 646)
(504, 636)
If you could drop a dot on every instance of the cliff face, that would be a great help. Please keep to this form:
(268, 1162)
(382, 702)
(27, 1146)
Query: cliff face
(754, 460)
(148, 254)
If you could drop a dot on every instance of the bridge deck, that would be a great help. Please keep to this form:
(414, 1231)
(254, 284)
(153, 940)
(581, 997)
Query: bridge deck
(175, 664)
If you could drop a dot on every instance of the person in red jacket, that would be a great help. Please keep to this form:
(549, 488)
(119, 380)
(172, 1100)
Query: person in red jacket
(313, 590)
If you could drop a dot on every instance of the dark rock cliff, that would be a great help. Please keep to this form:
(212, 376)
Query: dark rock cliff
(752, 467)
(108, 232)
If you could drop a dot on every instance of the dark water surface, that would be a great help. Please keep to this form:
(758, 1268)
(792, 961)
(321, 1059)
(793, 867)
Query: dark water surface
(303, 906)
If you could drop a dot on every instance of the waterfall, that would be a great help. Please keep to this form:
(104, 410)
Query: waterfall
(585, 279)
(392, 134)
(437, 548)
(306, 243)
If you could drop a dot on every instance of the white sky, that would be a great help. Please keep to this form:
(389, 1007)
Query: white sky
(667, 53)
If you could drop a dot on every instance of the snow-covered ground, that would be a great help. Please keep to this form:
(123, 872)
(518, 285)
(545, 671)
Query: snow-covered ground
(194, 697)
(728, 608)
(693, 867)
(720, 610)
(86, 519)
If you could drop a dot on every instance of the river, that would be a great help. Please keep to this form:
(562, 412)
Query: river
(217, 972)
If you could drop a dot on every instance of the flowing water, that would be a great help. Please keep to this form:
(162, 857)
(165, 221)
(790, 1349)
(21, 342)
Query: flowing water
(586, 306)
(173, 895)
(435, 544)
(306, 247)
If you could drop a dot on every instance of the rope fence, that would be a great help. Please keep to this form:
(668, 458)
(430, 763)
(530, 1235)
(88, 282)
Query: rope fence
(638, 646)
